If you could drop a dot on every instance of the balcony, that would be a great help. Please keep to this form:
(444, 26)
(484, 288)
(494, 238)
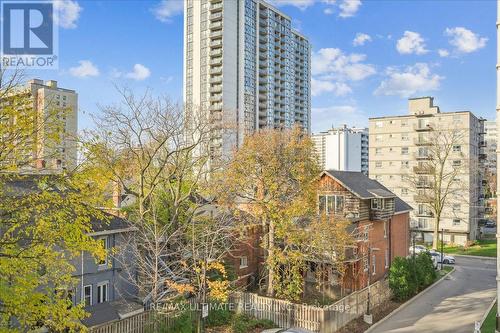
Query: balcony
(423, 170)
(216, 79)
(424, 184)
(216, 7)
(421, 142)
(423, 127)
(216, 70)
(215, 44)
(216, 98)
(421, 198)
(424, 213)
(216, 34)
(216, 62)
(263, 105)
(216, 25)
(422, 156)
(216, 52)
(216, 16)
(216, 107)
(216, 88)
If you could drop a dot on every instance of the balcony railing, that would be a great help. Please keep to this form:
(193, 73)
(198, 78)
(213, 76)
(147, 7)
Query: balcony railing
(421, 142)
(423, 127)
(423, 170)
(424, 184)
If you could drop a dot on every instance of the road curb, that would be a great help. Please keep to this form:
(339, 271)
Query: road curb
(472, 257)
(487, 311)
(408, 302)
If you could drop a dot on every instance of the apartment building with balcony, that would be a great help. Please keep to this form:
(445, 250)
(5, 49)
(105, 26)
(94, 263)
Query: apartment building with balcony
(245, 69)
(399, 149)
(50, 144)
(490, 138)
(343, 148)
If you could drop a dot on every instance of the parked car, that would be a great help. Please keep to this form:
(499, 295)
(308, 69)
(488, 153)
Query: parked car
(418, 249)
(446, 259)
(490, 224)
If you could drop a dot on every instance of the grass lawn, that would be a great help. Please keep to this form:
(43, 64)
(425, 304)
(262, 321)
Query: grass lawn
(489, 322)
(485, 248)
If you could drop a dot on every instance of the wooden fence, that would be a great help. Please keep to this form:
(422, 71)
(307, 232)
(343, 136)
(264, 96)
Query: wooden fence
(317, 319)
(145, 322)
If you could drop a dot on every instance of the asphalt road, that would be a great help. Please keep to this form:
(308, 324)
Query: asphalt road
(453, 305)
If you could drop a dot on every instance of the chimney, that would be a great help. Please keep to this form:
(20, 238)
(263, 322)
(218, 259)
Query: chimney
(117, 195)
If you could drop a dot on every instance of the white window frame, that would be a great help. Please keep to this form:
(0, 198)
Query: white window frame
(405, 137)
(83, 294)
(405, 151)
(457, 148)
(374, 264)
(99, 291)
(243, 262)
(386, 258)
(454, 222)
(404, 191)
(378, 164)
(104, 265)
(385, 229)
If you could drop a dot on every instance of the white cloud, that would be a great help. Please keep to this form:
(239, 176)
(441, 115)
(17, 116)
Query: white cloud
(166, 9)
(67, 13)
(85, 69)
(335, 109)
(443, 53)
(413, 79)
(332, 69)
(333, 62)
(328, 11)
(464, 40)
(411, 42)
(139, 73)
(361, 39)
(322, 86)
(349, 8)
(301, 4)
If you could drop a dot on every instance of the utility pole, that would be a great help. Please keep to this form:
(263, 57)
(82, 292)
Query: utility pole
(442, 242)
(498, 166)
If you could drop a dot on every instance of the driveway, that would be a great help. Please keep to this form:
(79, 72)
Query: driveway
(453, 305)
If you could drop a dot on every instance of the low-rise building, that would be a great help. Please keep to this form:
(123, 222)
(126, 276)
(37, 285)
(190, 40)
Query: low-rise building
(380, 224)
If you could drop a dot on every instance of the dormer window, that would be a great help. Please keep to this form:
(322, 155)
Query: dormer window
(378, 203)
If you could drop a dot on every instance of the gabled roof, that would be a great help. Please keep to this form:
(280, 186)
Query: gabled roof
(401, 206)
(360, 185)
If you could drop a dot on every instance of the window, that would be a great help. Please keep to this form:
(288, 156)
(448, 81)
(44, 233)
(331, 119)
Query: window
(379, 124)
(404, 122)
(374, 264)
(378, 164)
(243, 262)
(104, 262)
(404, 191)
(456, 208)
(385, 229)
(456, 221)
(365, 263)
(405, 164)
(457, 163)
(102, 292)
(378, 203)
(386, 258)
(87, 295)
(330, 204)
(404, 150)
(457, 148)
(378, 151)
(378, 137)
(405, 137)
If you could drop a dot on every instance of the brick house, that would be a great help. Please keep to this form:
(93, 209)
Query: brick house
(380, 224)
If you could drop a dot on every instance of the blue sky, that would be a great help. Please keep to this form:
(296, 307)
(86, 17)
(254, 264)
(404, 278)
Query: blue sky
(368, 56)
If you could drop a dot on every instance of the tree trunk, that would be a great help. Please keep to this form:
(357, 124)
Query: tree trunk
(435, 239)
(270, 256)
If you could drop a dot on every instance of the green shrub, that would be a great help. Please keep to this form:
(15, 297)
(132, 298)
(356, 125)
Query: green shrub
(243, 323)
(400, 280)
(181, 324)
(426, 274)
(218, 316)
(407, 276)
